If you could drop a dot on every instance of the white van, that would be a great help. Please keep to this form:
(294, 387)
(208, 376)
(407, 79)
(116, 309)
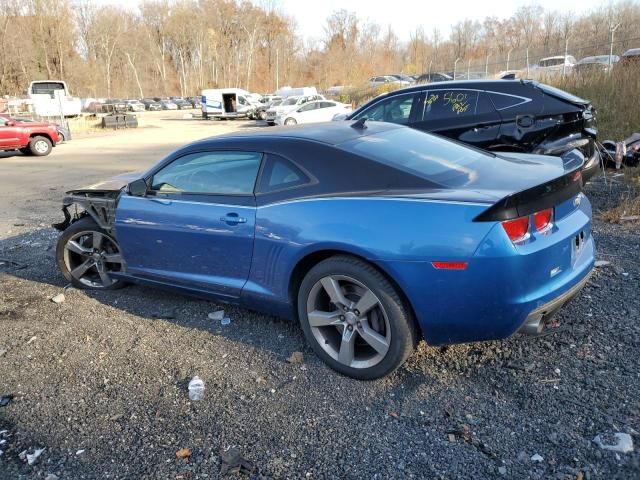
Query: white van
(51, 98)
(286, 92)
(227, 103)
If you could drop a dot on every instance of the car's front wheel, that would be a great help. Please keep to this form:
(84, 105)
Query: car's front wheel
(88, 256)
(290, 121)
(40, 146)
(354, 319)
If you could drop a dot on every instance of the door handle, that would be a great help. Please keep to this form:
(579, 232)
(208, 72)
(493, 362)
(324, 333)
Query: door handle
(233, 219)
(162, 201)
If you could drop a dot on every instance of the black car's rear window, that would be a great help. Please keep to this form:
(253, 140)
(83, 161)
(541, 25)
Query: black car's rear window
(428, 156)
(561, 94)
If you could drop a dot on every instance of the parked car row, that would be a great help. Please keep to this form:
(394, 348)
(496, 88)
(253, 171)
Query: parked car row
(134, 105)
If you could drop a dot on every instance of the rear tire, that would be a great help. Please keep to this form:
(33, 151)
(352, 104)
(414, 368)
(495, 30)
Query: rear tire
(290, 121)
(376, 340)
(40, 146)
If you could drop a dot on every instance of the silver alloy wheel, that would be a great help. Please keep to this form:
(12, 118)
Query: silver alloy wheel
(41, 146)
(90, 256)
(348, 321)
(290, 121)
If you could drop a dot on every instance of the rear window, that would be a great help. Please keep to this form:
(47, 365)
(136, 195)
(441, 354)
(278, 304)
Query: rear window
(561, 94)
(427, 156)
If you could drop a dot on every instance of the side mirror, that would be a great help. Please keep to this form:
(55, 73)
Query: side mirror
(10, 123)
(138, 188)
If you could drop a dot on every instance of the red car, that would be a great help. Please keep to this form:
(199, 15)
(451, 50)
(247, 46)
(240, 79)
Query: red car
(29, 137)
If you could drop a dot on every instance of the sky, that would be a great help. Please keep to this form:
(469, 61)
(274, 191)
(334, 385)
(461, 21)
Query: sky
(405, 15)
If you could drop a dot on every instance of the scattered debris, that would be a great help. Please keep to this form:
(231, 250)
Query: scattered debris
(233, 462)
(6, 400)
(225, 321)
(80, 452)
(537, 458)
(31, 340)
(623, 442)
(218, 315)
(502, 470)
(393, 414)
(630, 218)
(116, 417)
(183, 453)
(296, 358)
(2, 352)
(32, 457)
(58, 298)
(196, 389)
(601, 263)
(51, 476)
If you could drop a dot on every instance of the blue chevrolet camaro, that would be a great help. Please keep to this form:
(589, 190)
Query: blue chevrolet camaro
(372, 235)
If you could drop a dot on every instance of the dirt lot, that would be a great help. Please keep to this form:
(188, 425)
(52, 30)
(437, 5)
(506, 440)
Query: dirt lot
(99, 381)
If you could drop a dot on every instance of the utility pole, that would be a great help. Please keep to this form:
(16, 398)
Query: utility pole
(277, 70)
(468, 68)
(508, 58)
(455, 67)
(527, 62)
(612, 29)
(566, 51)
(486, 65)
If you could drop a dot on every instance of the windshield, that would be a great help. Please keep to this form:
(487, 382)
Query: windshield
(427, 156)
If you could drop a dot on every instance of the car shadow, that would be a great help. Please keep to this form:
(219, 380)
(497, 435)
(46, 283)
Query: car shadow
(12, 153)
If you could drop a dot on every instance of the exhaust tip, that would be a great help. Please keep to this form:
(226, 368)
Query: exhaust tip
(532, 325)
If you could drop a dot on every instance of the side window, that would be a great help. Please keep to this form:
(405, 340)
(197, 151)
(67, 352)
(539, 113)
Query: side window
(221, 173)
(396, 109)
(307, 107)
(502, 101)
(279, 174)
(326, 104)
(440, 104)
(3, 121)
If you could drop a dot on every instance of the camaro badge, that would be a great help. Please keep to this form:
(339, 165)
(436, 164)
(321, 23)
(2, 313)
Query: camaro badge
(577, 201)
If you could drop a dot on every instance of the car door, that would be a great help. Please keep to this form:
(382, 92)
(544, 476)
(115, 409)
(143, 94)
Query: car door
(194, 227)
(9, 136)
(462, 114)
(305, 113)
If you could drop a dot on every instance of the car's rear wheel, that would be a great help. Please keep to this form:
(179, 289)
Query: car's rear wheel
(88, 256)
(354, 319)
(290, 121)
(263, 115)
(40, 146)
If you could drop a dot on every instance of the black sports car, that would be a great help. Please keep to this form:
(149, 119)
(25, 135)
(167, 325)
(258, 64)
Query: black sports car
(496, 115)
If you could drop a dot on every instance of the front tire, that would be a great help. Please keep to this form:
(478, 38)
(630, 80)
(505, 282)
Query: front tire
(87, 254)
(354, 319)
(290, 121)
(40, 146)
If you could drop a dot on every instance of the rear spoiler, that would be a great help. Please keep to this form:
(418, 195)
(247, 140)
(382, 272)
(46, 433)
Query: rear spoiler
(540, 197)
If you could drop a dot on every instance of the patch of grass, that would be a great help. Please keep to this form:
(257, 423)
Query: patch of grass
(615, 97)
(628, 203)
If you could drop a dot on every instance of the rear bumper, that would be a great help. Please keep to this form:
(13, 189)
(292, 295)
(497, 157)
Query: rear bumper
(536, 320)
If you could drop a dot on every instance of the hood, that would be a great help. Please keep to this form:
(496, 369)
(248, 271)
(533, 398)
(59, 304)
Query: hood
(114, 184)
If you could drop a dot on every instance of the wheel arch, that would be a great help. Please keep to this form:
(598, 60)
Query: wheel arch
(307, 262)
(42, 134)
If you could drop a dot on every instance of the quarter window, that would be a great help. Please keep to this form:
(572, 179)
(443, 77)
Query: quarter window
(502, 101)
(279, 174)
(220, 173)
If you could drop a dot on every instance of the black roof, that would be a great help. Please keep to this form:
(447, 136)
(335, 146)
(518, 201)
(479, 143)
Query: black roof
(329, 133)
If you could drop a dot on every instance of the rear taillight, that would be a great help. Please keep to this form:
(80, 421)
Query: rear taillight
(516, 229)
(542, 219)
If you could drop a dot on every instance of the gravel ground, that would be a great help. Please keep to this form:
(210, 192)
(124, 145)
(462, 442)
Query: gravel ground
(99, 381)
